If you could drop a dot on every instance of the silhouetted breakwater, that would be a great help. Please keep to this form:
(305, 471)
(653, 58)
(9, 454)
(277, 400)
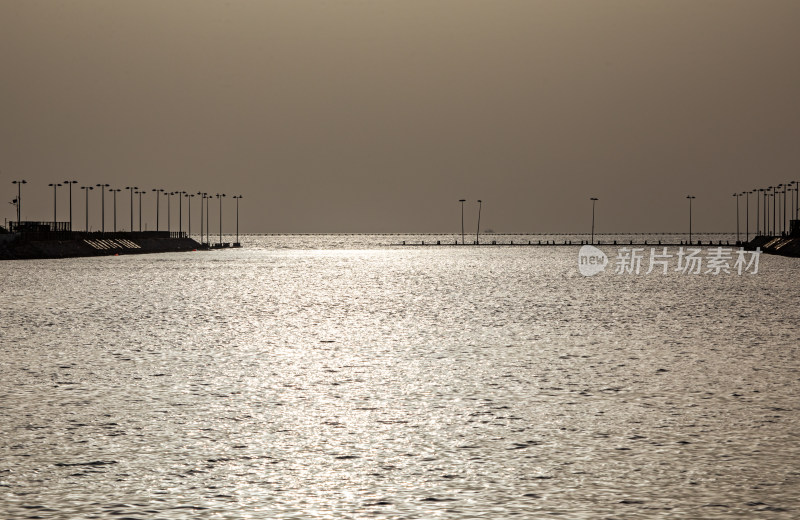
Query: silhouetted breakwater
(784, 246)
(69, 244)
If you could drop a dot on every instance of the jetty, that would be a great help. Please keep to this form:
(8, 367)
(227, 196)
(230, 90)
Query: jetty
(39, 240)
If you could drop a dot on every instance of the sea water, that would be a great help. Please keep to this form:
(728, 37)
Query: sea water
(345, 377)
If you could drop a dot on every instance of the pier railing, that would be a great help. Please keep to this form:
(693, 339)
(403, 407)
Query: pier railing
(28, 230)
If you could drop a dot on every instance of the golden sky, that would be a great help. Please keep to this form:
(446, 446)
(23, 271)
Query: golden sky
(369, 116)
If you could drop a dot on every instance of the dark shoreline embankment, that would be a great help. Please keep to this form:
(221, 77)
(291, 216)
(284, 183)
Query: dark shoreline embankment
(784, 246)
(16, 248)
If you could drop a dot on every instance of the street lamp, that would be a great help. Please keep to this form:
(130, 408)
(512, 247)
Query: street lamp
(19, 199)
(202, 200)
(158, 191)
(180, 195)
(747, 216)
(189, 197)
(140, 193)
(132, 190)
(220, 216)
(462, 219)
(70, 183)
(237, 197)
(115, 191)
(758, 191)
(478, 230)
(594, 200)
(737, 216)
(169, 195)
(55, 187)
(86, 190)
(690, 197)
(784, 207)
(102, 206)
(774, 211)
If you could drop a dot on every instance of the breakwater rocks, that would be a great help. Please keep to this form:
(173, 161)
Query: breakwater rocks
(20, 247)
(785, 246)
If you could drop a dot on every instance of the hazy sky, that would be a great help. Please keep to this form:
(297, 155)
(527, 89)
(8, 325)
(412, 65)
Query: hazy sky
(362, 116)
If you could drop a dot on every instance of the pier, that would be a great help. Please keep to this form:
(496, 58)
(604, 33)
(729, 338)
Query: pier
(40, 240)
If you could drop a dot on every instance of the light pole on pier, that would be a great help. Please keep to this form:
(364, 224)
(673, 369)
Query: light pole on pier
(55, 187)
(19, 198)
(747, 216)
(759, 195)
(690, 197)
(784, 208)
(774, 211)
(737, 216)
(158, 191)
(478, 230)
(70, 183)
(237, 197)
(103, 206)
(180, 195)
(115, 191)
(86, 190)
(132, 190)
(202, 196)
(594, 200)
(169, 195)
(189, 197)
(219, 196)
(140, 193)
(462, 219)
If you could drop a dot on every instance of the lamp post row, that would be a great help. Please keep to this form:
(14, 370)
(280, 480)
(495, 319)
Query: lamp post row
(134, 190)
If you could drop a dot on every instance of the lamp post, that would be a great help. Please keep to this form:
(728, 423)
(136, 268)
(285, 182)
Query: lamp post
(774, 211)
(237, 197)
(140, 193)
(55, 187)
(115, 191)
(202, 196)
(158, 191)
(594, 200)
(784, 208)
(462, 219)
(189, 197)
(219, 196)
(180, 195)
(169, 195)
(86, 190)
(747, 216)
(757, 191)
(766, 210)
(690, 197)
(102, 206)
(70, 183)
(19, 198)
(478, 230)
(737, 216)
(132, 190)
